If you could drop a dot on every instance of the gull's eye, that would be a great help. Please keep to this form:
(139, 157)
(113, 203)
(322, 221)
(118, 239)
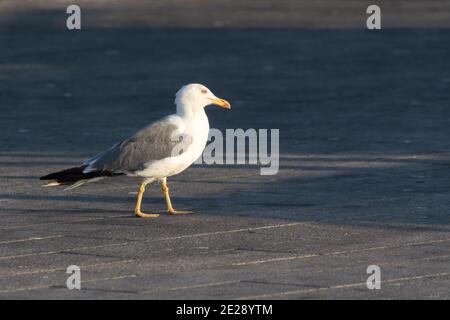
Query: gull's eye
(204, 91)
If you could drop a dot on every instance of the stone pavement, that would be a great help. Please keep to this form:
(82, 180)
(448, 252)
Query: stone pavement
(364, 125)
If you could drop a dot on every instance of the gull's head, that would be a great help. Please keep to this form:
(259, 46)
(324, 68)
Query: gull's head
(196, 96)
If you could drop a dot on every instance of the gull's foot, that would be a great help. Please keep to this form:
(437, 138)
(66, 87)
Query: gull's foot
(146, 215)
(179, 212)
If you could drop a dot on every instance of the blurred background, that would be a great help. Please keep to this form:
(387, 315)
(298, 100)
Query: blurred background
(232, 13)
(311, 64)
(311, 59)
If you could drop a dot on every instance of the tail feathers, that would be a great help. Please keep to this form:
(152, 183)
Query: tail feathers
(75, 177)
(81, 182)
(52, 184)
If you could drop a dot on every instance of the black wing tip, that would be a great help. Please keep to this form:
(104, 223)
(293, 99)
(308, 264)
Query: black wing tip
(47, 177)
(75, 174)
(71, 174)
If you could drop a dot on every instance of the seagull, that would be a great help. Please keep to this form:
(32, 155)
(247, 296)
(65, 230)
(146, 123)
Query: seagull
(162, 149)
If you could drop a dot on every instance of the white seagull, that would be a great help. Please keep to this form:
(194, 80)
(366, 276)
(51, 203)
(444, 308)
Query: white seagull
(160, 150)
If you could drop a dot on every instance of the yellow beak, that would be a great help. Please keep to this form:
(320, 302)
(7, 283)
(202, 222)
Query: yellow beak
(221, 103)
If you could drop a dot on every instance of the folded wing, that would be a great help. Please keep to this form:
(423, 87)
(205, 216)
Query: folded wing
(155, 142)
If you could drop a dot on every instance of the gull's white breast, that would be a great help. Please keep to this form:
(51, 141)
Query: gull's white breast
(197, 128)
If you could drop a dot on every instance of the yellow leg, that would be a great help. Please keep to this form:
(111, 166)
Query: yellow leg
(138, 211)
(170, 209)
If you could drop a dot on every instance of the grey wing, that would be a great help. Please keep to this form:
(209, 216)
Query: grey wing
(155, 142)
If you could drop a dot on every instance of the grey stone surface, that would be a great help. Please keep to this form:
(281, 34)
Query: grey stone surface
(364, 124)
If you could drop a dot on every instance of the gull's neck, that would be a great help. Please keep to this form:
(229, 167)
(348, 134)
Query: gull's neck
(189, 110)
